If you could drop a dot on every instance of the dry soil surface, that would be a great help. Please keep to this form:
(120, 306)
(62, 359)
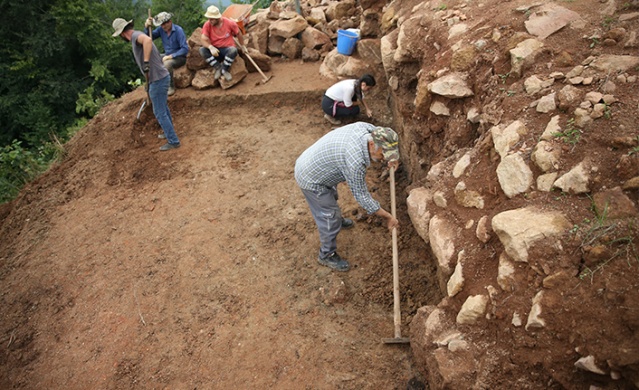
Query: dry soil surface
(124, 267)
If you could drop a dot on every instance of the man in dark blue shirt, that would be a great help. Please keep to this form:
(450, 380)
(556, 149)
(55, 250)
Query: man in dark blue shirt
(173, 40)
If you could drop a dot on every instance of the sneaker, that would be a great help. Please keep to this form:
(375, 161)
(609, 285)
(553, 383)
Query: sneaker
(227, 75)
(335, 262)
(347, 223)
(334, 121)
(171, 91)
(218, 72)
(168, 146)
(161, 136)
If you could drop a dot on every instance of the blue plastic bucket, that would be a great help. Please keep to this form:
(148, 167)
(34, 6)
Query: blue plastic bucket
(346, 41)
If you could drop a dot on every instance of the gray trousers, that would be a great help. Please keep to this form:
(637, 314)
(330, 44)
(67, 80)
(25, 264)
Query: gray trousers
(173, 64)
(328, 217)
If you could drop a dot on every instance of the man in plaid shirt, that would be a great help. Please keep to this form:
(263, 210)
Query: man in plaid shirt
(343, 155)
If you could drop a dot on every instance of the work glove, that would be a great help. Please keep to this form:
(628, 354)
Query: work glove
(148, 23)
(167, 58)
(244, 49)
(145, 67)
(214, 51)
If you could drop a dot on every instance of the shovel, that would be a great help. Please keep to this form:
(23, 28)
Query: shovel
(265, 79)
(147, 100)
(398, 339)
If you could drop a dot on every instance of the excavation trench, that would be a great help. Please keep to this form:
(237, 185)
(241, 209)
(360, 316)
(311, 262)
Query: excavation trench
(197, 267)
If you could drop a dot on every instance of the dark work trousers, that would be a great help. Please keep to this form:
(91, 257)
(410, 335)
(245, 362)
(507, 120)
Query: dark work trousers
(328, 217)
(337, 109)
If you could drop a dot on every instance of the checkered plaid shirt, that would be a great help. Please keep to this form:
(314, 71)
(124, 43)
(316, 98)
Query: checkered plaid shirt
(340, 155)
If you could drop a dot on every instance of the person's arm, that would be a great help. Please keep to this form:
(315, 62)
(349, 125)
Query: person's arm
(391, 222)
(147, 48)
(183, 47)
(369, 113)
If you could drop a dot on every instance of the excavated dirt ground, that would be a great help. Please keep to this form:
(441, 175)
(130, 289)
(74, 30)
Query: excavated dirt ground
(124, 267)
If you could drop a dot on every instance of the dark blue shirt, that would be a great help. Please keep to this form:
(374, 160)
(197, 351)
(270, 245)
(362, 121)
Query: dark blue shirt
(175, 44)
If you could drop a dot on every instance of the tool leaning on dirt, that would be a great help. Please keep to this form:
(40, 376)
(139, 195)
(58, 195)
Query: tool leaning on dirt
(343, 155)
(265, 79)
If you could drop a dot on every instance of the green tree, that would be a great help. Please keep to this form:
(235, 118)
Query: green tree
(188, 14)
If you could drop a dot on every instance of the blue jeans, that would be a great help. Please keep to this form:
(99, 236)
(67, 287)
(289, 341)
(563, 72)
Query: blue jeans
(328, 217)
(158, 93)
(226, 57)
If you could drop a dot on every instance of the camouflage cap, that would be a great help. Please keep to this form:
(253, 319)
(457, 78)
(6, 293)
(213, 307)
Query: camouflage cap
(387, 139)
(161, 18)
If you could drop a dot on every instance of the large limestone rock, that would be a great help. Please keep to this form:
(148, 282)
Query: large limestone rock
(576, 181)
(337, 65)
(287, 28)
(182, 77)
(549, 19)
(417, 203)
(204, 79)
(609, 63)
(514, 175)
(546, 156)
(433, 340)
(408, 47)
(519, 229)
(292, 48)
(472, 310)
(238, 71)
(338, 10)
(314, 38)
(388, 46)
(442, 235)
(505, 138)
(452, 85)
(261, 60)
(524, 55)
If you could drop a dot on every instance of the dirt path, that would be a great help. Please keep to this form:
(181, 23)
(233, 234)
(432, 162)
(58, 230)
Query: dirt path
(131, 268)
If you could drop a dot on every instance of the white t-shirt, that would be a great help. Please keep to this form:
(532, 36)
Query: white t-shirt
(343, 91)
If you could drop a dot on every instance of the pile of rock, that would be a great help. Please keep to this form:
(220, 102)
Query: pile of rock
(309, 33)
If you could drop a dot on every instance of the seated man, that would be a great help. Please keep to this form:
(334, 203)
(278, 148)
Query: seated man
(218, 47)
(174, 42)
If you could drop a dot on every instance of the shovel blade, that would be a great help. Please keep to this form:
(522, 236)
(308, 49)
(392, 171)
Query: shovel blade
(141, 109)
(396, 340)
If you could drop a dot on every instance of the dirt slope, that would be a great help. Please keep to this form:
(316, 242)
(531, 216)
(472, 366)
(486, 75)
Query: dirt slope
(124, 267)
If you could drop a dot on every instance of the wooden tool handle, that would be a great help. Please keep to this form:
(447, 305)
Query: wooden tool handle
(397, 312)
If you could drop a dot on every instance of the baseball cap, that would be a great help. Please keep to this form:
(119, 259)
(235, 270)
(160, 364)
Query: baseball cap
(387, 139)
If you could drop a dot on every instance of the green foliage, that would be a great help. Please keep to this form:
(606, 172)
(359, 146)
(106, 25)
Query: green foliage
(571, 135)
(617, 236)
(89, 104)
(17, 167)
(188, 14)
(607, 22)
